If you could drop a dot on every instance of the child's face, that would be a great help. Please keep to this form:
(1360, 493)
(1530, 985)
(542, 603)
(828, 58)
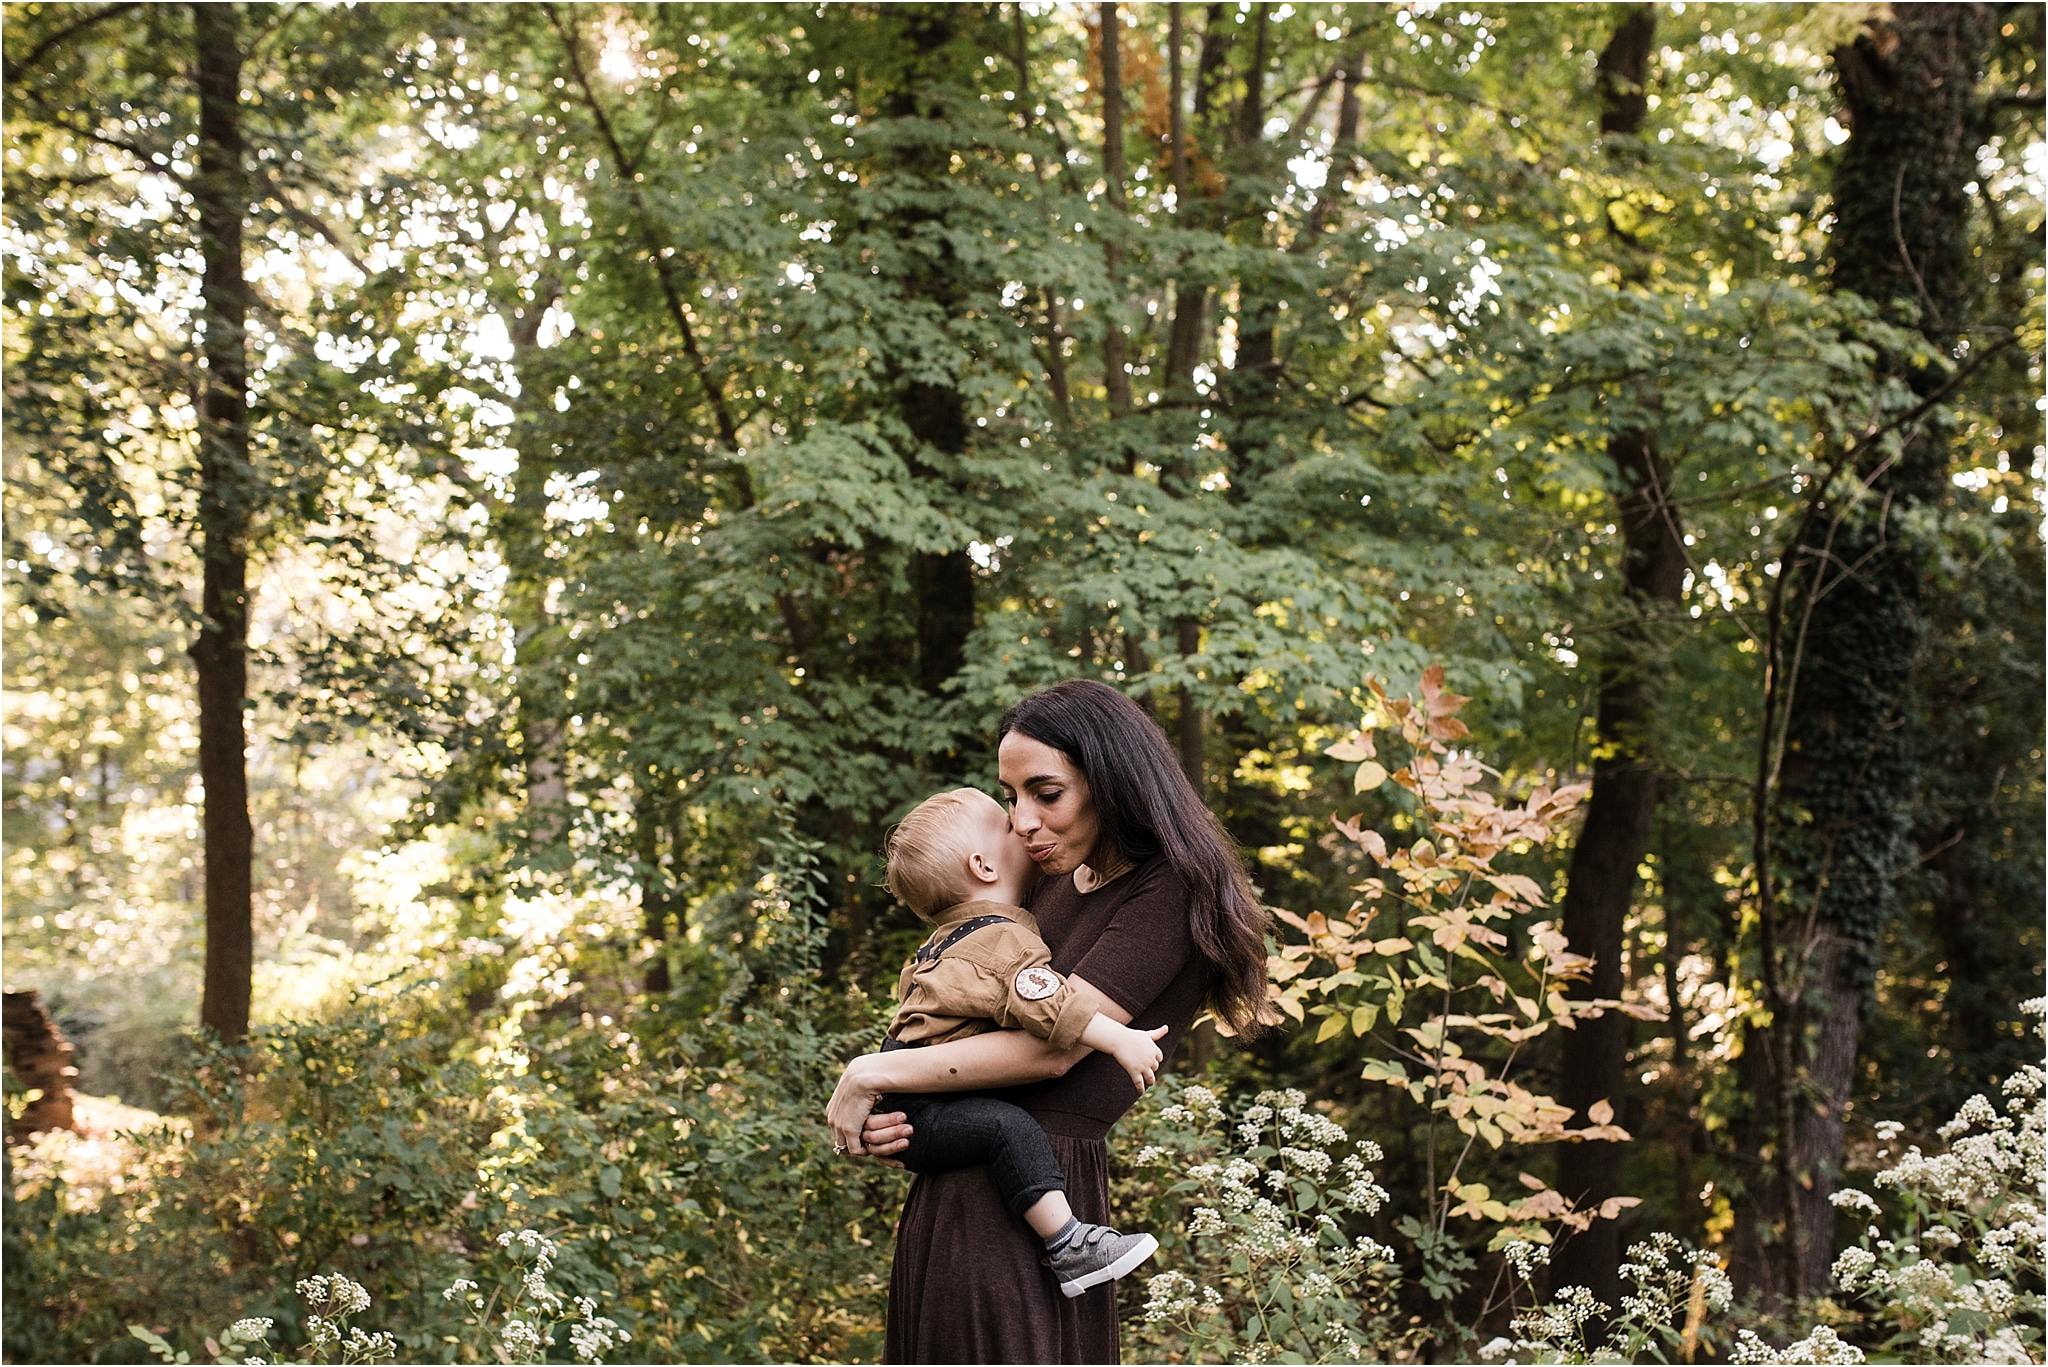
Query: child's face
(990, 836)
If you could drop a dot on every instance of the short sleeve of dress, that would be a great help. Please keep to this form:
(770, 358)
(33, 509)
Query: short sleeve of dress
(1146, 943)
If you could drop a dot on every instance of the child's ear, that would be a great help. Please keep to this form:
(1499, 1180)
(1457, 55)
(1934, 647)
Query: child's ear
(980, 869)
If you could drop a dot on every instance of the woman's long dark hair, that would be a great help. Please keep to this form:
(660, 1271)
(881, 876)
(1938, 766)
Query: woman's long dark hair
(1146, 806)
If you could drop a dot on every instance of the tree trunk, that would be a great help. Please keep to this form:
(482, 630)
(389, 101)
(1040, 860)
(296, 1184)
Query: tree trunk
(1190, 310)
(522, 540)
(1845, 801)
(1115, 355)
(942, 582)
(1601, 884)
(227, 492)
(652, 800)
(1053, 349)
(1190, 298)
(40, 1058)
(1255, 377)
(1976, 1020)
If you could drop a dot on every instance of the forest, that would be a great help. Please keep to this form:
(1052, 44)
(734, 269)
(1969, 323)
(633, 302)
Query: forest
(506, 504)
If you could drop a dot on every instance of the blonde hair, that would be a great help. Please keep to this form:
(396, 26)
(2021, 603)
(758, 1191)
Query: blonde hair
(924, 853)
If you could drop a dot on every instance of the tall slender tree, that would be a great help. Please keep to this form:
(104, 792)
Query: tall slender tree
(1601, 882)
(227, 489)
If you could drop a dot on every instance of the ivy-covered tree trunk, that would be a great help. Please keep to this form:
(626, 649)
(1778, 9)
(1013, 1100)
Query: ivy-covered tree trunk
(227, 490)
(1601, 883)
(1845, 803)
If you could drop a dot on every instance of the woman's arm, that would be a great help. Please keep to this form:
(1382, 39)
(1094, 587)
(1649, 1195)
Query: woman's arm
(995, 1058)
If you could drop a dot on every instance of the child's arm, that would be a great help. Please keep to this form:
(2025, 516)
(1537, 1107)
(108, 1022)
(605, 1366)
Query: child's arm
(997, 1058)
(1136, 1050)
(1064, 1010)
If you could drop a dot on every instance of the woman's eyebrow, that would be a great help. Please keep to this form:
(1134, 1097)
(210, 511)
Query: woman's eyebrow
(1042, 778)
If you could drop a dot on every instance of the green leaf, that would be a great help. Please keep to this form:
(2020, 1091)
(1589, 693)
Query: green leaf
(157, 1345)
(1379, 1070)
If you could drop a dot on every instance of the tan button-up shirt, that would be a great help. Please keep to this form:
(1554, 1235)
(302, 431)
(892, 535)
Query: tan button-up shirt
(996, 978)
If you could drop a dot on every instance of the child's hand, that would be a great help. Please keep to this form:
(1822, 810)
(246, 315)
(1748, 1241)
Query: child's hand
(1138, 1052)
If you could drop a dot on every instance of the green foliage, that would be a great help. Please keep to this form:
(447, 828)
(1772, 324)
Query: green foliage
(606, 366)
(667, 1157)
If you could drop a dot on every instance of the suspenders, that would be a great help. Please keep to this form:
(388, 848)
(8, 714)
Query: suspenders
(931, 953)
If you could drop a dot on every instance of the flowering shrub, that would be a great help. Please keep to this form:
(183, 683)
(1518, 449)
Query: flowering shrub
(518, 1320)
(1265, 1268)
(1660, 1318)
(1962, 1280)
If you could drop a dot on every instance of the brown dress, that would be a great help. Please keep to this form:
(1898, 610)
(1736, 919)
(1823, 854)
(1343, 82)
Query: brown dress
(968, 1283)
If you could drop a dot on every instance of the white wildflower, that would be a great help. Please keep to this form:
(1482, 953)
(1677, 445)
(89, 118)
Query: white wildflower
(519, 1340)
(2004, 1346)
(1314, 1162)
(1852, 1266)
(593, 1335)
(1974, 1112)
(1526, 1257)
(1170, 1295)
(367, 1347)
(1821, 1346)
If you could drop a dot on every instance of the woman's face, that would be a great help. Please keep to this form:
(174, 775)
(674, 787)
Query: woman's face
(1051, 809)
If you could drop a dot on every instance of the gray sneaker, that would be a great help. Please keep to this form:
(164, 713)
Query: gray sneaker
(1098, 1254)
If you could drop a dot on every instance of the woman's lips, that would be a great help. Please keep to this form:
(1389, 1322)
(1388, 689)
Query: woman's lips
(1040, 853)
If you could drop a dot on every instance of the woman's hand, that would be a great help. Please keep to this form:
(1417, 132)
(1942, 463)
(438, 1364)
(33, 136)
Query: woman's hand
(856, 1129)
(853, 1100)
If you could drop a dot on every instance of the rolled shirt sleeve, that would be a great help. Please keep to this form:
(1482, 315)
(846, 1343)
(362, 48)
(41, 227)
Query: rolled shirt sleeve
(1048, 1004)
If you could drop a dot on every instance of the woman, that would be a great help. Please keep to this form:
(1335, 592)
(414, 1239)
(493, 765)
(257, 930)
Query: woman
(1144, 899)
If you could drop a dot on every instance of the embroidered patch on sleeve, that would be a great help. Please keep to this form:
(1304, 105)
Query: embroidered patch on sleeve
(1036, 984)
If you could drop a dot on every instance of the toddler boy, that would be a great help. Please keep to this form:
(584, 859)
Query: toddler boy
(954, 861)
